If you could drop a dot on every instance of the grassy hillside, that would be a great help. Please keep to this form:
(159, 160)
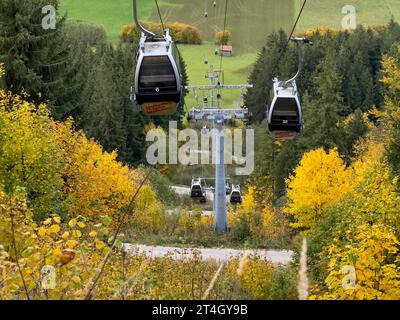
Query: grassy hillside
(112, 14)
(116, 13)
(320, 13)
(237, 69)
(248, 21)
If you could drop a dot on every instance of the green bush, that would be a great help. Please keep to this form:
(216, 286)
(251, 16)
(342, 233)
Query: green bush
(80, 33)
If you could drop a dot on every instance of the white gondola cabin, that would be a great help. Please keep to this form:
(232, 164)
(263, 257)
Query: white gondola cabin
(158, 81)
(197, 190)
(236, 195)
(285, 119)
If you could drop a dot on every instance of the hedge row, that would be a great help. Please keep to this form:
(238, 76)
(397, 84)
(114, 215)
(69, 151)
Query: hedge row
(180, 32)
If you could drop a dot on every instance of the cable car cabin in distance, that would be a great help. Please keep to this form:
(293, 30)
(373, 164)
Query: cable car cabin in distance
(285, 116)
(197, 190)
(158, 86)
(236, 195)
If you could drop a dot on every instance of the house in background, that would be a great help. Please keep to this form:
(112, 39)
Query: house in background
(226, 51)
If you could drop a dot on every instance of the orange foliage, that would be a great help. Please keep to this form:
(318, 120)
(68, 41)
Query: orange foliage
(180, 32)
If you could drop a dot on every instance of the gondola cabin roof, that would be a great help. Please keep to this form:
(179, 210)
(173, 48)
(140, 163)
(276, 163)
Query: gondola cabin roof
(154, 47)
(285, 89)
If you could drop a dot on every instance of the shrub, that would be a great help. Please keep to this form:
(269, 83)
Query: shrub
(261, 280)
(181, 33)
(222, 37)
(161, 185)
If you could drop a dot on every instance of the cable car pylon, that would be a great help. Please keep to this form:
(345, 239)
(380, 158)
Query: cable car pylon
(218, 116)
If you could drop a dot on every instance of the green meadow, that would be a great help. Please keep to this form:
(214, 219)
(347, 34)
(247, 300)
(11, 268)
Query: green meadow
(111, 14)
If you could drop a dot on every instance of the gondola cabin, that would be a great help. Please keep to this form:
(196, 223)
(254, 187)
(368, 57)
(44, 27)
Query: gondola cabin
(236, 195)
(197, 190)
(157, 80)
(285, 116)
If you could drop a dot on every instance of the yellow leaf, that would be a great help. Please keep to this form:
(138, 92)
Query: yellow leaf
(28, 271)
(49, 260)
(54, 228)
(57, 219)
(72, 223)
(42, 232)
(76, 234)
(65, 235)
(81, 225)
(360, 295)
(71, 244)
(76, 279)
(47, 221)
(99, 244)
(93, 234)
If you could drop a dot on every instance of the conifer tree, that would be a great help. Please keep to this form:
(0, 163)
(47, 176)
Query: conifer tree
(37, 60)
(265, 70)
(104, 115)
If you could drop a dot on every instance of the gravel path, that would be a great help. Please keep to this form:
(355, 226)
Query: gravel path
(275, 256)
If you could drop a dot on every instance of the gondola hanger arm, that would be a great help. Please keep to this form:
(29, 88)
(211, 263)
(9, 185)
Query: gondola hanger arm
(137, 22)
(298, 41)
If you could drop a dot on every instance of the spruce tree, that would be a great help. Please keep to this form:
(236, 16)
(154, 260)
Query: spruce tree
(104, 114)
(322, 113)
(352, 130)
(265, 70)
(37, 60)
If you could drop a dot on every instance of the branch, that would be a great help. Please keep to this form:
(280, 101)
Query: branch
(15, 250)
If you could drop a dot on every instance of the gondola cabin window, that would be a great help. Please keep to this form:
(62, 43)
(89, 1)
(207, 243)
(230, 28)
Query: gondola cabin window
(285, 111)
(157, 75)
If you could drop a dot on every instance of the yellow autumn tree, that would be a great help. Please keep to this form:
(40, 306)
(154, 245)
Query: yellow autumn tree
(390, 79)
(241, 219)
(71, 252)
(248, 204)
(366, 253)
(391, 76)
(320, 180)
(273, 226)
(391, 115)
(375, 196)
(29, 158)
(149, 214)
(364, 268)
(47, 172)
(94, 181)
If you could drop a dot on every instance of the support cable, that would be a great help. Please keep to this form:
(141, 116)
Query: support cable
(292, 32)
(223, 35)
(159, 14)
